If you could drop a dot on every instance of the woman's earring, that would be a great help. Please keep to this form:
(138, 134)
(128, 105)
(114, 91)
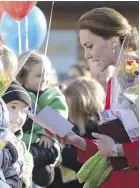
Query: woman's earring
(113, 50)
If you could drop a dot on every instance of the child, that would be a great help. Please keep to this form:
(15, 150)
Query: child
(29, 77)
(85, 97)
(8, 154)
(18, 101)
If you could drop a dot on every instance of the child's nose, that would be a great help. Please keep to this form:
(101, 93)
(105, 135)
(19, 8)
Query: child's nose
(18, 114)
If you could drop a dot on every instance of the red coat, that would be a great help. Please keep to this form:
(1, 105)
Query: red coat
(118, 179)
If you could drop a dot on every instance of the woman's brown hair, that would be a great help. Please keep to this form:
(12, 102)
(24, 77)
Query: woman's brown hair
(107, 23)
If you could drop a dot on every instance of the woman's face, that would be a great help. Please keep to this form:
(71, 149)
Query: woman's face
(99, 52)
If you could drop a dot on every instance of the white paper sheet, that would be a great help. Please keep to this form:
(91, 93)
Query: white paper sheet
(52, 120)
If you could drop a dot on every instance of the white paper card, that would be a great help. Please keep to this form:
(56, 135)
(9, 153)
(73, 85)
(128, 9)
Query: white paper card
(49, 119)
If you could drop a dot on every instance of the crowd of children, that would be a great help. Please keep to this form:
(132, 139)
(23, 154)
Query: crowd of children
(22, 165)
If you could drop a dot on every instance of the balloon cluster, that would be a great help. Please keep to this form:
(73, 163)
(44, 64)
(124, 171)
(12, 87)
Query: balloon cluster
(23, 26)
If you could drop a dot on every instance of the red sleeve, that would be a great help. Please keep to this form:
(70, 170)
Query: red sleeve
(91, 149)
(131, 151)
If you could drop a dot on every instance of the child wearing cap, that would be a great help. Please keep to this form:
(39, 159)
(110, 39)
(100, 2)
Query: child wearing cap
(8, 153)
(18, 101)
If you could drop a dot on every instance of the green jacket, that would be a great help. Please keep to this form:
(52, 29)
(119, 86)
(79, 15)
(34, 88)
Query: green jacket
(52, 97)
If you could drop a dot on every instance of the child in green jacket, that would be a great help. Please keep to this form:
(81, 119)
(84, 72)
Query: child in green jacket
(29, 77)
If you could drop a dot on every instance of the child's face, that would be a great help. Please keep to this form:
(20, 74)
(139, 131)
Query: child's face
(17, 114)
(33, 77)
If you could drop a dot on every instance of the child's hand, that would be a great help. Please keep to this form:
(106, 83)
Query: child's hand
(45, 141)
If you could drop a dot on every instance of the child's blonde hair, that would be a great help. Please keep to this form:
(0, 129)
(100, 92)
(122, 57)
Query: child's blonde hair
(34, 58)
(9, 60)
(85, 97)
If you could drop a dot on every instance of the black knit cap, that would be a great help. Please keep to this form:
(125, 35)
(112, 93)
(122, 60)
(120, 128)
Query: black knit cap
(16, 92)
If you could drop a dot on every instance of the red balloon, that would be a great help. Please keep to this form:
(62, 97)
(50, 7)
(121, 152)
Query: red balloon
(1, 9)
(18, 9)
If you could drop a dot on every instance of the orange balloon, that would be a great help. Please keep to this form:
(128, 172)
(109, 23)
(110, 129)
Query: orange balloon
(18, 9)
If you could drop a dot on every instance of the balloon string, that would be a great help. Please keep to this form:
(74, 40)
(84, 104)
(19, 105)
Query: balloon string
(19, 37)
(26, 27)
(45, 54)
(47, 41)
(41, 75)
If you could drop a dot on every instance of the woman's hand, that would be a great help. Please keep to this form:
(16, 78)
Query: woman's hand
(45, 141)
(70, 138)
(104, 143)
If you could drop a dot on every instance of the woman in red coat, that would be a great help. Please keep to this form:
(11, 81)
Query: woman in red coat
(125, 178)
(101, 32)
